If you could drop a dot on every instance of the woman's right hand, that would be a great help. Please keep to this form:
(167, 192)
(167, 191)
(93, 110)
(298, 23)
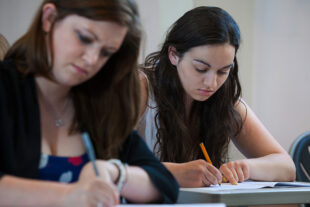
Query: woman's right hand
(197, 173)
(92, 191)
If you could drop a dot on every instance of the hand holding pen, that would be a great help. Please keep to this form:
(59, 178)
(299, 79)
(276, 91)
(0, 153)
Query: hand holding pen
(234, 171)
(109, 195)
(206, 155)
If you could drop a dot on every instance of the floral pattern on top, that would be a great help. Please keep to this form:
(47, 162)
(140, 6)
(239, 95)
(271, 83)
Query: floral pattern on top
(61, 169)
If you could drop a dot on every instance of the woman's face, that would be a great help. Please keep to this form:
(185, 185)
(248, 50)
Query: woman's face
(82, 46)
(204, 69)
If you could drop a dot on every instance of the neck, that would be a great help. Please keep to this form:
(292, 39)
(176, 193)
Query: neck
(55, 103)
(51, 91)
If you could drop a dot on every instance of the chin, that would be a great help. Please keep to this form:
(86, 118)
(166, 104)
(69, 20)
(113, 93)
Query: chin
(201, 99)
(69, 83)
(74, 81)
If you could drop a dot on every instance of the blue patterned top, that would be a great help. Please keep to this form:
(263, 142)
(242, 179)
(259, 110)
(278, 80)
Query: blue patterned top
(61, 169)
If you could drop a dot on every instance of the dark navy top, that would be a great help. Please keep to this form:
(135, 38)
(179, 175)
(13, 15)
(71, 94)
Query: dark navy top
(61, 169)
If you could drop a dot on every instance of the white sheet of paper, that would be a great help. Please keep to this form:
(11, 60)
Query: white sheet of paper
(174, 205)
(244, 185)
(248, 185)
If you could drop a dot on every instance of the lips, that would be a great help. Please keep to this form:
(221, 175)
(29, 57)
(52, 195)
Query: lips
(205, 92)
(79, 70)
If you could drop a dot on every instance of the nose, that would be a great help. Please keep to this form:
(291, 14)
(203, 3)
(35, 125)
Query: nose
(91, 56)
(210, 80)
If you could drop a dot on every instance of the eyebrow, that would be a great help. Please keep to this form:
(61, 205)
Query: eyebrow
(207, 64)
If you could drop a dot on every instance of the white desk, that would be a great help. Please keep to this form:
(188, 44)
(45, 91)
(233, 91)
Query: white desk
(277, 195)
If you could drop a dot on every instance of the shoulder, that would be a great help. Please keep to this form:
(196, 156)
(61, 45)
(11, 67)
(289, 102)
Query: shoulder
(242, 108)
(7, 66)
(143, 78)
(144, 92)
(8, 71)
(252, 126)
(144, 82)
(16, 88)
(8, 74)
(11, 79)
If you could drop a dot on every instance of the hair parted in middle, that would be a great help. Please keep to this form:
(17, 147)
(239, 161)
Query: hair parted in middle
(214, 121)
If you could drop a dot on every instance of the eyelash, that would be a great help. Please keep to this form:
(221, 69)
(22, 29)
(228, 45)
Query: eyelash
(83, 39)
(105, 53)
(205, 70)
(223, 72)
(200, 71)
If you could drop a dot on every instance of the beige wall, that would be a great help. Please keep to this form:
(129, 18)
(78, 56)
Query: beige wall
(15, 17)
(156, 17)
(274, 69)
(281, 70)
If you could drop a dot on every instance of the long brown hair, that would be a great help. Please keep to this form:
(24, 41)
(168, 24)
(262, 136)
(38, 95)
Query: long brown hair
(107, 104)
(213, 121)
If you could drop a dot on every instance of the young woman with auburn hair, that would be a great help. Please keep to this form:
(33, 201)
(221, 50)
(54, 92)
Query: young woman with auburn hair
(75, 71)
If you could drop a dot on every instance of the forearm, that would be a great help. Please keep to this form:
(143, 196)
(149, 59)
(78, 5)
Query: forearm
(273, 167)
(16, 191)
(139, 183)
(137, 187)
(175, 170)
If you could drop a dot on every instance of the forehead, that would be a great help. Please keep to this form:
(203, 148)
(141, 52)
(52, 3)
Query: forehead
(218, 52)
(106, 31)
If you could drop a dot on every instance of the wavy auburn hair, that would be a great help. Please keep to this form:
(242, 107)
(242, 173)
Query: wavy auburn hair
(107, 104)
(214, 121)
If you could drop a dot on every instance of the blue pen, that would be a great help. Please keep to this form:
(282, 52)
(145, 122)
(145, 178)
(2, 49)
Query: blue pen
(90, 151)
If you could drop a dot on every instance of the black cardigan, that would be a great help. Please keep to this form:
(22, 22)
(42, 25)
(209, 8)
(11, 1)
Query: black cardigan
(20, 142)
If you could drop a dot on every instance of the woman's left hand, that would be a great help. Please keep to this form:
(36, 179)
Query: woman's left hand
(235, 171)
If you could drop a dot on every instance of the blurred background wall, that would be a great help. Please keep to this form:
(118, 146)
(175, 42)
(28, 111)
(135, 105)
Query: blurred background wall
(273, 58)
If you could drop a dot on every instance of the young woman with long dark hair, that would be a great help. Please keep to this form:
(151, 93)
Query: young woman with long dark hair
(192, 94)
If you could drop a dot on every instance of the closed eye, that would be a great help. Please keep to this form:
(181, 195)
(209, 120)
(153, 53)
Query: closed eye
(201, 70)
(83, 39)
(106, 53)
(223, 72)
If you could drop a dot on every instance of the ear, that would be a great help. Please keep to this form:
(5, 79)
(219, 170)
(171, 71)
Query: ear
(173, 57)
(49, 14)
